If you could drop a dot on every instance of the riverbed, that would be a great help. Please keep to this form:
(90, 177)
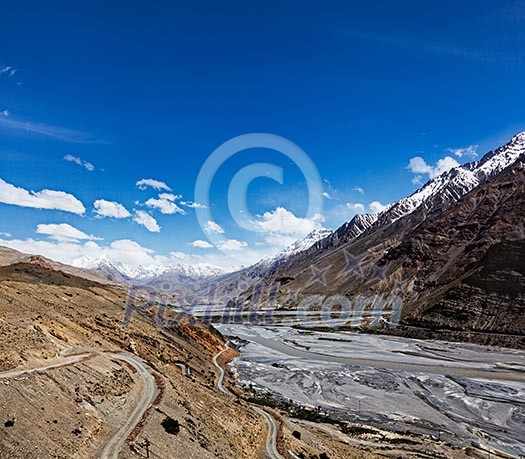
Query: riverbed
(463, 393)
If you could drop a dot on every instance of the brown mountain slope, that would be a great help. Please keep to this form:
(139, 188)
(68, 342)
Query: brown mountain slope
(73, 378)
(453, 269)
(469, 264)
(48, 317)
(10, 256)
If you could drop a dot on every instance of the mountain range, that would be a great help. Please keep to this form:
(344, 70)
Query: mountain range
(453, 251)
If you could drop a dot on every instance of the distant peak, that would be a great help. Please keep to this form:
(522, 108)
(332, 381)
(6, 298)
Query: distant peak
(318, 232)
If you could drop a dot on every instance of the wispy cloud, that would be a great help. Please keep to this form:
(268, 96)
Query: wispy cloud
(75, 159)
(430, 48)
(470, 152)
(8, 70)
(44, 199)
(7, 121)
(73, 251)
(358, 207)
(111, 209)
(193, 205)
(143, 218)
(142, 184)
(232, 245)
(377, 206)
(199, 243)
(282, 220)
(165, 206)
(64, 232)
(212, 227)
(417, 165)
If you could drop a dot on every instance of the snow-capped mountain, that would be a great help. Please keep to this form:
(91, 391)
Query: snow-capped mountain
(453, 251)
(199, 271)
(302, 244)
(446, 189)
(231, 284)
(383, 231)
(107, 264)
(263, 266)
(435, 196)
(118, 269)
(347, 231)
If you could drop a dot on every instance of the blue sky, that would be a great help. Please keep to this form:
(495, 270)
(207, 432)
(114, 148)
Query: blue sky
(143, 91)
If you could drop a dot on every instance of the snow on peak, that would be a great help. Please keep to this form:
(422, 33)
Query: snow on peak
(453, 184)
(519, 138)
(497, 160)
(133, 272)
(365, 220)
(199, 270)
(303, 244)
(298, 246)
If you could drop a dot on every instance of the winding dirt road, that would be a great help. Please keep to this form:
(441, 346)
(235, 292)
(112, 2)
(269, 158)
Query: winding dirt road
(220, 379)
(270, 447)
(148, 395)
(57, 363)
(271, 439)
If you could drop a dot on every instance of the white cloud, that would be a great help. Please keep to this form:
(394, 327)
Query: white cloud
(103, 208)
(180, 256)
(327, 195)
(377, 206)
(143, 218)
(417, 180)
(57, 132)
(355, 206)
(358, 189)
(470, 152)
(283, 228)
(75, 159)
(193, 205)
(212, 227)
(64, 232)
(4, 234)
(339, 214)
(232, 244)
(8, 70)
(280, 241)
(283, 221)
(201, 244)
(152, 183)
(74, 252)
(166, 206)
(62, 251)
(4, 113)
(418, 165)
(45, 199)
(128, 252)
(169, 196)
